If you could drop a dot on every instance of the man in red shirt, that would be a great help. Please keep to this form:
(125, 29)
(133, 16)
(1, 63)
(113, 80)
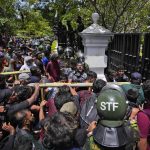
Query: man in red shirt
(53, 68)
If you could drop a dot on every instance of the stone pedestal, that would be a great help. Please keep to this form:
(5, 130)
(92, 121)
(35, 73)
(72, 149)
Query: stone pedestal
(95, 40)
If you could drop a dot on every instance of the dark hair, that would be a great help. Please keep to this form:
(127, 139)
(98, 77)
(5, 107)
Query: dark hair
(91, 74)
(111, 72)
(73, 63)
(23, 92)
(18, 120)
(132, 95)
(54, 57)
(60, 131)
(98, 85)
(35, 70)
(63, 77)
(62, 99)
(63, 89)
(120, 68)
(23, 143)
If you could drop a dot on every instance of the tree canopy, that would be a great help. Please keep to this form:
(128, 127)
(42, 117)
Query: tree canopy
(36, 17)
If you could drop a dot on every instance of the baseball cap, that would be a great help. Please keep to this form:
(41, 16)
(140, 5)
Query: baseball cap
(69, 107)
(24, 76)
(27, 58)
(136, 76)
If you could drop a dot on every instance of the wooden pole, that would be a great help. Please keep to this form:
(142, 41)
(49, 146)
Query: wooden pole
(42, 94)
(58, 84)
(15, 76)
(15, 72)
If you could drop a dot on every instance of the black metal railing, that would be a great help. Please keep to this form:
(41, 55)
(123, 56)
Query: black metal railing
(124, 50)
(146, 57)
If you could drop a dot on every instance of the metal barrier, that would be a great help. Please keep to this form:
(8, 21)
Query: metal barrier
(124, 50)
(15, 73)
(146, 57)
(57, 84)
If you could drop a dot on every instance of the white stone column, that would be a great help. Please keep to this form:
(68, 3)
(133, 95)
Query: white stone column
(95, 40)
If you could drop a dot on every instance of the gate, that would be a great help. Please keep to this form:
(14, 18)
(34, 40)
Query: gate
(124, 50)
(146, 57)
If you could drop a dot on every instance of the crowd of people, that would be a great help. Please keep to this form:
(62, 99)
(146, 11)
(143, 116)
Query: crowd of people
(106, 116)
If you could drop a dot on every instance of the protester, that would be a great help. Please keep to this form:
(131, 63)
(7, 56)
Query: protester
(136, 79)
(28, 63)
(68, 118)
(78, 75)
(3, 61)
(35, 75)
(120, 75)
(64, 129)
(53, 68)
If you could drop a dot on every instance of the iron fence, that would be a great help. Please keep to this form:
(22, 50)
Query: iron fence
(124, 49)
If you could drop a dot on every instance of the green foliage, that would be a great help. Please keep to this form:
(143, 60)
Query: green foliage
(34, 25)
(7, 16)
(115, 15)
(31, 22)
(122, 15)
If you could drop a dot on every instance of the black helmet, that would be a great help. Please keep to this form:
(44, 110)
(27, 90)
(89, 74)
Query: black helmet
(80, 57)
(68, 52)
(60, 50)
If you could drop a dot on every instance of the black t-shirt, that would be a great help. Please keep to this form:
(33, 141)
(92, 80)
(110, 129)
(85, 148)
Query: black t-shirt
(24, 137)
(34, 79)
(4, 95)
(17, 107)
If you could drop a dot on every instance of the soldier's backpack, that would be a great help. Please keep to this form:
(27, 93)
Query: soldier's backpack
(88, 112)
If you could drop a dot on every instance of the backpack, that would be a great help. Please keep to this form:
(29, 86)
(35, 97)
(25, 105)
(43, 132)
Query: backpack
(84, 95)
(88, 112)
